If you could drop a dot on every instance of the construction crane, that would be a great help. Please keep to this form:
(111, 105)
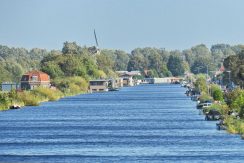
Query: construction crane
(94, 49)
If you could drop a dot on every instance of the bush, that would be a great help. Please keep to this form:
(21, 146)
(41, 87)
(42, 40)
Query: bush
(29, 99)
(234, 126)
(201, 84)
(237, 102)
(213, 107)
(231, 125)
(205, 97)
(232, 96)
(47, 93)
(74, 88)
(4, 106)
(217, 93)
(71, 85)
(4, 101)
(240, 126)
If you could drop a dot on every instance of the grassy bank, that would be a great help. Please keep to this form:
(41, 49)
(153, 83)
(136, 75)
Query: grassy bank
(63, 87)
(29, 98)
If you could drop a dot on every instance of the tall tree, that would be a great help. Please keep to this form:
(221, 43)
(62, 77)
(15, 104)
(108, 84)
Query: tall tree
(175, 65)
(71, 48)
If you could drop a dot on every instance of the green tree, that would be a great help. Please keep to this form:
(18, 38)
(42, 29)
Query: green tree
(238, 103)
(201, 84)
(121, 61)
(217, 93)
(5, 76)
(71, 48)
(52, 69)
(200, 50)
(137, 62)
(72, 66)
(234, 64)
(175, 65)
(15, 70)
(105, 62)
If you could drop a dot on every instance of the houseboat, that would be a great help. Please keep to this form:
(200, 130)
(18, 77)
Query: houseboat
(127, 77)
(100, 85)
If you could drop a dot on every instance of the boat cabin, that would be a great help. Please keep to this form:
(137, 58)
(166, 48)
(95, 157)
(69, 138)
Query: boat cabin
(98, 85)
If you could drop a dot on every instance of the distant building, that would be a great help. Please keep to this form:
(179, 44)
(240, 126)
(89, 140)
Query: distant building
(98, 85)
(34, 79)
(8, 86)
(162, 80)
(128, 77)
(220, 71)
(119, 82)
(130, 73)
(127, 80)
(112, 84)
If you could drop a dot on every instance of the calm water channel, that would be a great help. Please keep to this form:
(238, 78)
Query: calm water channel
(146, 123)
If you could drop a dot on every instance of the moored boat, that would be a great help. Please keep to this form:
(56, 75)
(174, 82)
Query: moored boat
(213, 115)
(113, 89)
(15, 107)
(221, 125)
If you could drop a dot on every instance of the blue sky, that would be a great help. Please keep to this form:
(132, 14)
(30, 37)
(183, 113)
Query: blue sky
(121, 24)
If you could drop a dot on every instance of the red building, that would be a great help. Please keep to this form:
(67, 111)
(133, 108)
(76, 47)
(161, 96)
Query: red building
(34, 79)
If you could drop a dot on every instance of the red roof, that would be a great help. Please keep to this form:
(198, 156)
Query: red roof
(41, 76)
(222, 68)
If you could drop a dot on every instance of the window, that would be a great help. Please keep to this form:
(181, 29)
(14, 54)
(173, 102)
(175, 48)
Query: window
(97, 82)
(25, 78)
(34, 78)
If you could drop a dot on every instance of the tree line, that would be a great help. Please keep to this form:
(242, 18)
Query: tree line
(74, 60)
(15, 61)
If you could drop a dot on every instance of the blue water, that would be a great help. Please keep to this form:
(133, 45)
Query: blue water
(146, 123)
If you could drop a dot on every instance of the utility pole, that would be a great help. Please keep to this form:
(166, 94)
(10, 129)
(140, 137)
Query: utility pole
(207, 71)
(198, 68)
(229, 76)
(207, 80)
(212, 76)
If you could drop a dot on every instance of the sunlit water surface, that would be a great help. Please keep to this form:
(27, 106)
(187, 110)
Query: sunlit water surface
(146, 123)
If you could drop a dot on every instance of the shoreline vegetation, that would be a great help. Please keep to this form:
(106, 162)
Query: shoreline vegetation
(230, 104)
(72, 86)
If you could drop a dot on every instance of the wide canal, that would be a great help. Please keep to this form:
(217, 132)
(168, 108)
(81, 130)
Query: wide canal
(146, 123)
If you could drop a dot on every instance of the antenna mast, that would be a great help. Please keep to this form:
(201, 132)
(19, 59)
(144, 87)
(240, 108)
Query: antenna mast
(96, 38)
(94, 49)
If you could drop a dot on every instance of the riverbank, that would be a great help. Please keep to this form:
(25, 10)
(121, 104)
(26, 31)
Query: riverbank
(229, 104)
(31, 98)
(69, 86)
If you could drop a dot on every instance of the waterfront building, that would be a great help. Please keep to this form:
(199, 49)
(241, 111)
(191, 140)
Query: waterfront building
(100, 85)
(127, 77)
(8, 86)
(119, 82)
(166, 80)
(34, 79)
